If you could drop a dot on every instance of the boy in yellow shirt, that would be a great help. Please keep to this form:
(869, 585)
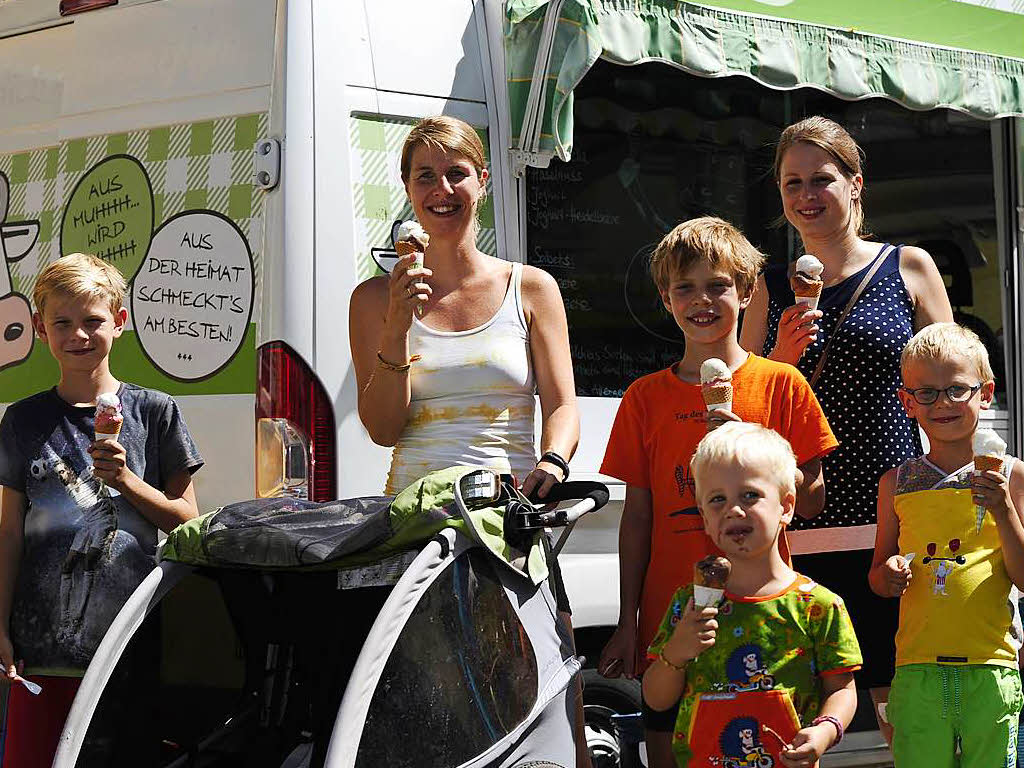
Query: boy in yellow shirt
(950, 543)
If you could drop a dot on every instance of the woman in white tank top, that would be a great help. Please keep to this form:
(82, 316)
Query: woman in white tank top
(454, 383)
(448, 356)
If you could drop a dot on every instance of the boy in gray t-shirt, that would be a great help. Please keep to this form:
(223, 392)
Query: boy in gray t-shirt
(78, 516)
(86, 547)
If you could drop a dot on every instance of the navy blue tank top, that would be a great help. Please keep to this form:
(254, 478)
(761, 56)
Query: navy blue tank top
(857, 387)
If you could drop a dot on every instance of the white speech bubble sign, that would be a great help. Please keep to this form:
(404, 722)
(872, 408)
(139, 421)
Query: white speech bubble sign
(192, 297)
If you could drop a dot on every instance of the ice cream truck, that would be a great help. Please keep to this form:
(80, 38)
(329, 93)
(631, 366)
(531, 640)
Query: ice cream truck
(237, 160)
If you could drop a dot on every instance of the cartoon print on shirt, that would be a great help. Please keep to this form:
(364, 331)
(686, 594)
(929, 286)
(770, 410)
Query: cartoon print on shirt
(37, 468)
(90, 549)
(943, 566)
(683, 480)
(747, 671)
(690, 515)
(16, 239)
(740, 741)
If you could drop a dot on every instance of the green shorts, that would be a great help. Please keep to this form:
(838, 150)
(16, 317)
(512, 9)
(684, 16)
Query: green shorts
(933, 708)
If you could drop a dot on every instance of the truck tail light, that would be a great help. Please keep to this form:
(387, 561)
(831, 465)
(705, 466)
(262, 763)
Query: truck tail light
(295, 451)
(67, 7)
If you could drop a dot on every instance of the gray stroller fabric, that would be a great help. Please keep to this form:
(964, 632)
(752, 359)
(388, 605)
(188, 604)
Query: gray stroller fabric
(281, 533)
(294, 533)
(286, 532)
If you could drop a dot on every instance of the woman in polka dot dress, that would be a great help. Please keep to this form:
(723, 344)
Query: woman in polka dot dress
(818, 170)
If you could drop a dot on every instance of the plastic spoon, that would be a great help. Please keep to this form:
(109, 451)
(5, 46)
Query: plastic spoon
(34, 688)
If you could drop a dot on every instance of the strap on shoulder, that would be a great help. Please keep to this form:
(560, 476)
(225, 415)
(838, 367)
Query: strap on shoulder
(864, 283)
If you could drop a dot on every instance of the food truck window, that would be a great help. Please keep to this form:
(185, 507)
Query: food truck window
(653, 146)
(462, 675)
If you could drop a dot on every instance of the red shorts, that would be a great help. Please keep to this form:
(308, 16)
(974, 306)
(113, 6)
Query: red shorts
(33, 724)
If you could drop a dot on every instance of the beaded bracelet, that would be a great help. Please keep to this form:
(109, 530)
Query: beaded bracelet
(834, 721)
(382, 363)
(669, 664)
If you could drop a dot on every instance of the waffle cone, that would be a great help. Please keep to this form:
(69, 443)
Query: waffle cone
(808, 291)
(983, 463)
(405, 247)
(717, 396)
(110, 431)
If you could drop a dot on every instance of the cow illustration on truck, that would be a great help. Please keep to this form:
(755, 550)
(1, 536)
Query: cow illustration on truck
(16, 240)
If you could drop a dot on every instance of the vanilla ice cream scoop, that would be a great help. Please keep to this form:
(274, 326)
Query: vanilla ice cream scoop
(411, 231)
(809, 265)
(714, 369)
(988, 443)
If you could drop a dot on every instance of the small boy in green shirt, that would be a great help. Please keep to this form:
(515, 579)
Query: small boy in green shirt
(769, 671)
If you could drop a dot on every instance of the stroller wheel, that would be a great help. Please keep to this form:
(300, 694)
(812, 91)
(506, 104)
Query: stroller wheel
(605, 703)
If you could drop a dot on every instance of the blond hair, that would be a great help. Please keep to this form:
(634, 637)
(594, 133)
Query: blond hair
(831, 137)
(947, 341)
(447, 134)
(711, 241)
(745, 444)
(81, 274)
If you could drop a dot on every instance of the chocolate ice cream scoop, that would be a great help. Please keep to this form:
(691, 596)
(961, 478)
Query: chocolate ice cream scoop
(712, 571)
(802, 281)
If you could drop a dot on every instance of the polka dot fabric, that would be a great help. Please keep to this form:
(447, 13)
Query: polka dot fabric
(857, 388)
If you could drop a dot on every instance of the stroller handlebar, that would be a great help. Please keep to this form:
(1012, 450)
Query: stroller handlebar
(575, 489)
(521, 517)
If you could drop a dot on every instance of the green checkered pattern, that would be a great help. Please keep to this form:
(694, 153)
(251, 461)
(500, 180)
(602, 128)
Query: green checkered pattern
(379, 196)
(205, 165)
(1010, 6)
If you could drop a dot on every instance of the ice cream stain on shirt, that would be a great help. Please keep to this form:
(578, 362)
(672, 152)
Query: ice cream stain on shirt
(473, 397)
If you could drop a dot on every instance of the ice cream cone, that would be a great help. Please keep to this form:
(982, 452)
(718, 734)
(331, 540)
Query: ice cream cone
(806, 281)
(110, 432)
(983, 464)
(809, 295)
(716, 384)
(413, 246)
(108, 421)
(717, 396)
(710, 575)
(411, 238)
(705, 596)
(405, 247)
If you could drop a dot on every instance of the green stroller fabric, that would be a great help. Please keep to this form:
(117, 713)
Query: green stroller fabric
(299, 534)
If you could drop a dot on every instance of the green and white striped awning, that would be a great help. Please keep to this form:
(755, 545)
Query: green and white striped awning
(551, 44)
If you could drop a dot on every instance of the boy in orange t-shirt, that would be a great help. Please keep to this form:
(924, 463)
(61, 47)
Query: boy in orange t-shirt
(705, 270)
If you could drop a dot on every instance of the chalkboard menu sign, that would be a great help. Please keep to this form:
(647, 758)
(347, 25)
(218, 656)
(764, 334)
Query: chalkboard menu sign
(593, 223)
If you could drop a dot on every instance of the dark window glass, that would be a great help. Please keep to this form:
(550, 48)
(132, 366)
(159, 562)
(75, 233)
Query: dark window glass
(654, 146)
(462, 675)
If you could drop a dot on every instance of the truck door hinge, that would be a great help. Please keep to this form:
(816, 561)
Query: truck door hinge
(266, 163)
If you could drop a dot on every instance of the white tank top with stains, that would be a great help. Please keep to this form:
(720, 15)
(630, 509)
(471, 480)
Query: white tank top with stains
(472, 397)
